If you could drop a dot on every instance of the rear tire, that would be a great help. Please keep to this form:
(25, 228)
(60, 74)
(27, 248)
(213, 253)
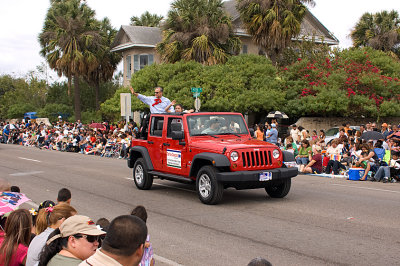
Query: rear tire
(279, 190)
(209, 189)
(143, 180)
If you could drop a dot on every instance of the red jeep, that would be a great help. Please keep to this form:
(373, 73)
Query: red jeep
(214, 150)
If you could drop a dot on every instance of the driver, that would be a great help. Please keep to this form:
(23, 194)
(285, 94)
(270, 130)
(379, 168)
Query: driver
(215, 126)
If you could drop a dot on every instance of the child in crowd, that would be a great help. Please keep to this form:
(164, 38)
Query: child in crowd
(289, 148)
(147, 259)
(363, 161)
(395, 167)
(64, 195)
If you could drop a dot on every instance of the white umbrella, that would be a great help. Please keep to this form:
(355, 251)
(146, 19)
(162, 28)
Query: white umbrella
(277, 115)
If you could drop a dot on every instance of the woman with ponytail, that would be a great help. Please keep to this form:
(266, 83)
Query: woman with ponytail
(15, 239)
(48, 219)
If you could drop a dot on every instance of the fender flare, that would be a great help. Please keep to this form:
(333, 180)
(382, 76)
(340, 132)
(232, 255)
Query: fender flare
(144, 153)
(214, 159)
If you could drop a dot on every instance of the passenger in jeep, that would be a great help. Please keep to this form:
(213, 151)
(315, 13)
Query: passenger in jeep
(157, 103)
(214, 127)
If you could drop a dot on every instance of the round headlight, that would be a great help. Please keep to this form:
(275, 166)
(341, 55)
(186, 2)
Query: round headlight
(275, 154)
(234, 156)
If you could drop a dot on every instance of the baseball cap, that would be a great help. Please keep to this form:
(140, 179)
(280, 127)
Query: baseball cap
(384, 125)
(77, 224)
(294, 125)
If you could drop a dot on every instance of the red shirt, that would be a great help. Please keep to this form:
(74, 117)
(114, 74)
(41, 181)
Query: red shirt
(318, 162)
(18, 256)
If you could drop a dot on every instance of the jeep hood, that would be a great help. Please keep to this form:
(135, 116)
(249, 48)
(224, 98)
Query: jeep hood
(230, 144)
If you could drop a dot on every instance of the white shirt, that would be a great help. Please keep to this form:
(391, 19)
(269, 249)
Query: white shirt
(158, 108)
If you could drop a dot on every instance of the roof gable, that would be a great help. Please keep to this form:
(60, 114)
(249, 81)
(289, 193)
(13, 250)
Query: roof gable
(139, 36)
(310, 26)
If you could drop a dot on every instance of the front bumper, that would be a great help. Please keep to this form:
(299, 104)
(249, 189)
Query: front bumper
(254, 176)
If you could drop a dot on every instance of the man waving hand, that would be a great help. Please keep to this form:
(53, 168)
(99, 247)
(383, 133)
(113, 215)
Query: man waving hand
(157, 103)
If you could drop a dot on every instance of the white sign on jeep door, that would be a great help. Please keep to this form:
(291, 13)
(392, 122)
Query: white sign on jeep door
(174, 158)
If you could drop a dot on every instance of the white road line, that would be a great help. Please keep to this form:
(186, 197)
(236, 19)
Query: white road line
(184, 189)
(376, 189)
(165, 260)
(29, 159)
(26, 173)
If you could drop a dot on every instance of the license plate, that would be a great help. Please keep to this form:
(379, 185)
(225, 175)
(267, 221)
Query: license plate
(266, 176)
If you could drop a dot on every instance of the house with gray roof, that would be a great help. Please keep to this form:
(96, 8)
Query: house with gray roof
(137, 43)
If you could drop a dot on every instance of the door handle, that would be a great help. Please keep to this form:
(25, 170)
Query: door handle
(166, 144)
(150, 142)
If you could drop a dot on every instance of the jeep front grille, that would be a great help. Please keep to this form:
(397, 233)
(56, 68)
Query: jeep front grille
(256, 158)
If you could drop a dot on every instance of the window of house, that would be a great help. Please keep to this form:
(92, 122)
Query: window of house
(128, 66)
(140, 61)
(244, 49)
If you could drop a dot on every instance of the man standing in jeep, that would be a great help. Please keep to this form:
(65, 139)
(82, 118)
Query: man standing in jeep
(157, 103)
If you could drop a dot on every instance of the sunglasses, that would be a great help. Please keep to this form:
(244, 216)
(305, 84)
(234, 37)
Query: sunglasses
(89, 238)
(157, 92)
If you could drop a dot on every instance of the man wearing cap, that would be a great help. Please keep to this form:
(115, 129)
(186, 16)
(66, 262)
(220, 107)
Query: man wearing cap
(273, 135)
(123, 245)
(157, 103)
(78, 236)
(384, 130)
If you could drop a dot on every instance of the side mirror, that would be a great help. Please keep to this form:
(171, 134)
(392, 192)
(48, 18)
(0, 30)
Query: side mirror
(177, 135)
(251, 130)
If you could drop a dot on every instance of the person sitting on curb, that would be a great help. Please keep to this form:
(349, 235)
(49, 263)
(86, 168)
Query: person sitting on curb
(315, 164)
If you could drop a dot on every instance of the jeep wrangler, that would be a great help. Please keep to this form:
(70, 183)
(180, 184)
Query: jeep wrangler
(213, 150)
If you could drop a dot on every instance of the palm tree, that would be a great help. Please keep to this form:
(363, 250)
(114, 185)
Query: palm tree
(106, 62)
(380, 31)
(273, 23)
(146, 19)
(198, 30)
(69, 35)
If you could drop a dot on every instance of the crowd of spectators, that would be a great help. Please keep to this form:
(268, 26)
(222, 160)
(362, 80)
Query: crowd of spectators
(55, 234)
(377, 153)
(103, 139)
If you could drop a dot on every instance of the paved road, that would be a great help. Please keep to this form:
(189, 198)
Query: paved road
(322, 221)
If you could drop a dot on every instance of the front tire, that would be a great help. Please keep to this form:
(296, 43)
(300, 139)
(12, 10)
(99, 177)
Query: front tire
(143, 180)
(279, 190)
(209, 189)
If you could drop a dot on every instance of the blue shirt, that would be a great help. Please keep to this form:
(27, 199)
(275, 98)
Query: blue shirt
(158, 108)
(273, 136)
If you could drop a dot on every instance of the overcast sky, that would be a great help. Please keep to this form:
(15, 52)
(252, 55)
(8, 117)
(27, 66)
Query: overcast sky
(22, 20)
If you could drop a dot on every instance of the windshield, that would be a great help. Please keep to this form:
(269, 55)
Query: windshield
(332, 131)
(216, 124)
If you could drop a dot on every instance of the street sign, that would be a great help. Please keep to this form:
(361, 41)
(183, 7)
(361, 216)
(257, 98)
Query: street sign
(197, 104)
(125, 104)
(196, 94)
(197, 90)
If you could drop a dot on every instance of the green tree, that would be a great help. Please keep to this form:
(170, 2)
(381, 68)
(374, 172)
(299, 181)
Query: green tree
(68, 39)
(198, 30)
(380, 31)
(146, 19)
(107, 61)
(273, 23)
(246, 83)
(21, 96)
